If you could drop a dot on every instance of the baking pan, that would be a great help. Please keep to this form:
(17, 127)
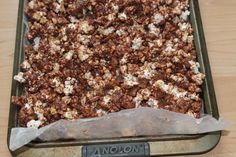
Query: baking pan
(133, 146)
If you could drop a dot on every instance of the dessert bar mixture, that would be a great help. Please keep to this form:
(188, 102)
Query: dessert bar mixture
(88, 58)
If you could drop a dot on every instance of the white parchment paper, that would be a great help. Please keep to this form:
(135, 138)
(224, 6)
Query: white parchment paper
(133, 122)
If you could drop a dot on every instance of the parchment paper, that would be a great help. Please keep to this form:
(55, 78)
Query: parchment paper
(133, 122)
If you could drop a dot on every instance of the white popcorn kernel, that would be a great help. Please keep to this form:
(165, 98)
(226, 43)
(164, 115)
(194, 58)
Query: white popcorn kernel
(40, 116)
(19, 77)
(38, 110)
(68, 89)
(84, 39)
(106, 99)
(111, 17)
(115, 8)
(101, 112)
(69, 55)
(70, 114)
(32, 4)
(130, 80)
(152, 103)
(190, 39)
(124, 59)
(198, 78)
(27, 106)
(36, 43)
(85, 27)
(120, 32)
(184, 26)
(38, 103)
(145, 93)
(147, 70)
(191, 114)
(56, 81)
(169, 48)
(194, 96)
(107, 75)
(161, 84)
(194, 66)
(69, 85)
(83, 53)
(26, 65)
(34, 124)
(122, 16)
(185, 15)
(137, 100)
(56, 67)
(57, 7)
(73, 19)
(152, 28)
(72, 26)
(176, 78)
(158, 18)
(137, 43)
(170, 89)
(174, 91)
(108, 31)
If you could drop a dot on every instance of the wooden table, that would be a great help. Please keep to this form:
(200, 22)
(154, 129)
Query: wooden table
(219, 19)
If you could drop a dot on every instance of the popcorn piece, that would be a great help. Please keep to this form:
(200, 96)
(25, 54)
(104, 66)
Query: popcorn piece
(83, 53)
(56, 81)
(20, 77)
(69, 85)
(198, 78)
(115, 8)
(106, 99)
(107, 31)
(101, 112)
(153, 29)
(158, 18)
(36, 43)
(32, 4)
(26, 65)
(69, 55)
(120, 32)
(185, 15)
(85, 27)
(111, 17)
(130, 80)
(184, 26)
(70, 114)
(137, 43)
(34, 124)
(194, 66)
(122, 16)
(152, 103)
(170, 89)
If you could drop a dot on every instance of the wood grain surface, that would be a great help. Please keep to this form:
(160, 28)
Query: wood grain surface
(219, 20)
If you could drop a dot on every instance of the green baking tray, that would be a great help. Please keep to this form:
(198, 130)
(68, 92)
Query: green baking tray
(132, 146)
